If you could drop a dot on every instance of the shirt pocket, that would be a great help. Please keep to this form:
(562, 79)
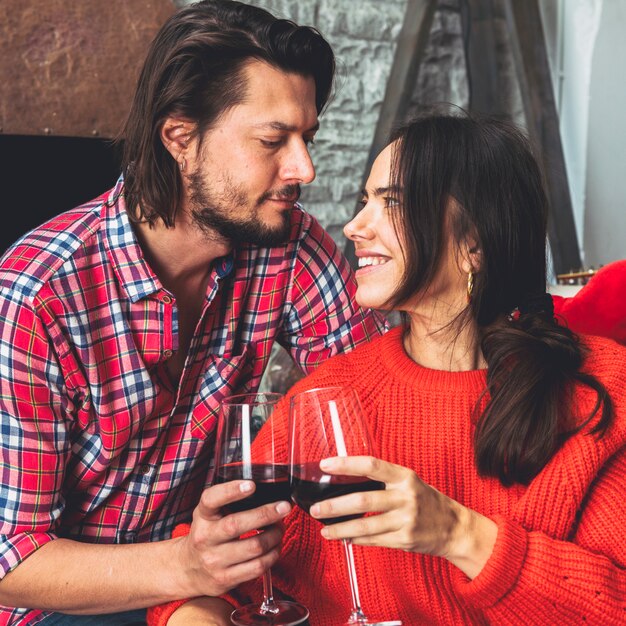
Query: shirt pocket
(225, 376)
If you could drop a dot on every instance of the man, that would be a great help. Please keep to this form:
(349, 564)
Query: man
(126, 321)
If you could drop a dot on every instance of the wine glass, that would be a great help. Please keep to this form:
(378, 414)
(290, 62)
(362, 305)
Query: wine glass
(242, 418)
(327, 422)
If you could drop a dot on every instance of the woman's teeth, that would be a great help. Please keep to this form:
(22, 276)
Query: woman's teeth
(366, 261)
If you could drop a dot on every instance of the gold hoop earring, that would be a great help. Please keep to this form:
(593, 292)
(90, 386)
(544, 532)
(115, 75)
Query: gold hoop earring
(182, 164)
(470, 286)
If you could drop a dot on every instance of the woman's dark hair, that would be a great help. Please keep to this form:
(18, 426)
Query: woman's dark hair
(488, 168)
(194, 70)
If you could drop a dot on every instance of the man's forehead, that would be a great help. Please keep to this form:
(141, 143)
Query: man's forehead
(264, 81)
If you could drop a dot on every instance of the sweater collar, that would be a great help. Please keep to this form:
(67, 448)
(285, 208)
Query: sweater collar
(404, 368)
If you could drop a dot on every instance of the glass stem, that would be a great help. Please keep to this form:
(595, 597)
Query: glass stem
(357, 616)
(268, 605)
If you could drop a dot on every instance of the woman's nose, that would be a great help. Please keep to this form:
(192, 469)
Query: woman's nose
(357, 228)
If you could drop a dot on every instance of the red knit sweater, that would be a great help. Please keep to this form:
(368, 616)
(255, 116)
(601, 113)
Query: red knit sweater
(560, 554)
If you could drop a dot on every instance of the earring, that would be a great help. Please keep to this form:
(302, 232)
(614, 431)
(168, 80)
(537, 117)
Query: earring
(470, 286)
(182, 164)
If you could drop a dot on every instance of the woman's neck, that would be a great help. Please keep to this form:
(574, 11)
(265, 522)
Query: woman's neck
(451, 346)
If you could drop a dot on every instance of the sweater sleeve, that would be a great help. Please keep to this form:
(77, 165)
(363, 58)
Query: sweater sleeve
(534, 579)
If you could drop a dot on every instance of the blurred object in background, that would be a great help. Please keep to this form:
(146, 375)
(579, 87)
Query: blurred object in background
(598, 306)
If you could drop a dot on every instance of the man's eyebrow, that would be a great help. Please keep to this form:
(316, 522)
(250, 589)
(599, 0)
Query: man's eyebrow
(281, 126)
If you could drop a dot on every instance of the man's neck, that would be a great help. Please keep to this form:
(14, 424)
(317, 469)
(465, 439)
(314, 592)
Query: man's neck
(182, 254)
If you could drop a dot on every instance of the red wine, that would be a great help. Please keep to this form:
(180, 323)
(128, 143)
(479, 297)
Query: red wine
(307, 488)
(272, 484)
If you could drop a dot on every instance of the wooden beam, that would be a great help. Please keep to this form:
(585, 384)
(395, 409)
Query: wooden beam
(410, 46)
(531, 60)
(483, 76)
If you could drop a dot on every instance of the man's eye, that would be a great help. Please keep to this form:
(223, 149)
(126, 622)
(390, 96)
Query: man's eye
(362, 201)
(271, 143)
(310, 142)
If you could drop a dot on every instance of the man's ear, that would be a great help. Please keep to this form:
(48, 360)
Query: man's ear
(176, 135)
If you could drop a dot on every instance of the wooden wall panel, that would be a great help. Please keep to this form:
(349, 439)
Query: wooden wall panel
(69, 68)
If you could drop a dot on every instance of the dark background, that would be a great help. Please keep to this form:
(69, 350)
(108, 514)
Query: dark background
(43, 176)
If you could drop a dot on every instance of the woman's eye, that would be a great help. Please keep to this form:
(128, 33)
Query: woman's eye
(391, 202)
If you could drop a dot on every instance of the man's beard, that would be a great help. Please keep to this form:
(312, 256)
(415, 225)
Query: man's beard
(213, 212)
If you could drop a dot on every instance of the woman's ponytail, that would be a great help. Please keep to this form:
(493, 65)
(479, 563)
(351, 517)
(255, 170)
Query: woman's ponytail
(533, 364)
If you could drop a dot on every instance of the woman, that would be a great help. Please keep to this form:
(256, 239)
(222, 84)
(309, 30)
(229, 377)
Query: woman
(502, 435)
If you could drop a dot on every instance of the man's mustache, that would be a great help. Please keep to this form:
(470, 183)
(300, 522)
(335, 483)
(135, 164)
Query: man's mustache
(289, 192)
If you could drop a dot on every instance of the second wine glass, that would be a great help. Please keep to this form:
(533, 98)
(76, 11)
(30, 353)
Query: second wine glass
(245, 450)
(328, 422)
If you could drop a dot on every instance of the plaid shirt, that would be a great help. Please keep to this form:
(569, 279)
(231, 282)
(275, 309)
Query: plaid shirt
(96, 443)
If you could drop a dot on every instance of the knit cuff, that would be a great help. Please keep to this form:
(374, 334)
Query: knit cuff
(501, 571)
(159, 615)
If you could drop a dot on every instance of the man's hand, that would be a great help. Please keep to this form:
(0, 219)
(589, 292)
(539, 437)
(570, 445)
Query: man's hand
(214, 556)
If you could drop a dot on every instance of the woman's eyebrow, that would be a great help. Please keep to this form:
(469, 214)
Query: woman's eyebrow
(384, 191)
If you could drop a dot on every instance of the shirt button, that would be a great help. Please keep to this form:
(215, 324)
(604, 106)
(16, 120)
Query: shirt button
(144, 469)
(167, 353)
(166, 299)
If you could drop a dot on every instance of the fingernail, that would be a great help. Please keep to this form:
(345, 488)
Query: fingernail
(314, 510)
(324, 532)
(283, 508)
(326, 463)
(246, 486)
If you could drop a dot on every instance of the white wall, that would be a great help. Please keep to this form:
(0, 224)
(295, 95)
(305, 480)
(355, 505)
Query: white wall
(605, 206)
(587, 49)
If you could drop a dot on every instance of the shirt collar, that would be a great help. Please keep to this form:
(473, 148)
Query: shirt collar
(133, 272)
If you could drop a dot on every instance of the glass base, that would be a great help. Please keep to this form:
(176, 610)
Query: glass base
(366, 622)
(286, 614)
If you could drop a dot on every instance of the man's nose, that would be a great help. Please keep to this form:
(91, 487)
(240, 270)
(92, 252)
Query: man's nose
(299, 166)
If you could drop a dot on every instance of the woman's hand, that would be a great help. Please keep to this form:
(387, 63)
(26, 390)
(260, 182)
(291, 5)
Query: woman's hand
(412, 515)
(202, 612)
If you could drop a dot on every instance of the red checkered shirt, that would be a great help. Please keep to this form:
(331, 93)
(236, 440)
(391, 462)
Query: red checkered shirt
(96, 444)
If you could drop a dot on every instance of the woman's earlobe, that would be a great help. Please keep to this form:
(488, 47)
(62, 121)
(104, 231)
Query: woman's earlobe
(475, 258)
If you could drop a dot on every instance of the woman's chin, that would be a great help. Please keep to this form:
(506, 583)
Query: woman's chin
(369, 300)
